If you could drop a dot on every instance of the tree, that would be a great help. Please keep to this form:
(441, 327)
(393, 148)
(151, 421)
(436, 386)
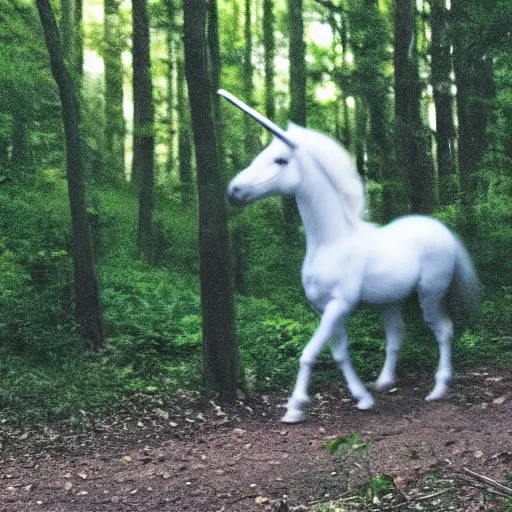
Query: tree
(184, 137)
(143, 126)
(475, 90)
(269, 46)
(251, 145)
(115, 130)
(87, 303)
(443, 99)
(411, 137)
(219, 338)
(297, 89)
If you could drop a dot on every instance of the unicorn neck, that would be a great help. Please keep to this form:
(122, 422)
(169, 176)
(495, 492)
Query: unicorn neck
(325, 222)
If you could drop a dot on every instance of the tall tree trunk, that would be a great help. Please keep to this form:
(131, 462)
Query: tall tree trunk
(269, 46)
(115, 130)
(214, 59)
(297, 88)
(215, 72)
(143, 125)
(67, 31)
(251, 145)
(475, 90)
(171, 89)
(79, 39)
(411, 136)
(87, 303)
(219, 338)
(184, 138)
(443, 100)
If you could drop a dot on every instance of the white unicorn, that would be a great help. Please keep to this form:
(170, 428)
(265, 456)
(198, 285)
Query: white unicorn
(350, 262)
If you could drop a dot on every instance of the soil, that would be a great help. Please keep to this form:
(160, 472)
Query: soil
(188, 454)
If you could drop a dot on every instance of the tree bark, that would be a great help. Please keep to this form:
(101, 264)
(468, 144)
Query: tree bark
(143, 126)
(297, 88)
(269, 47)
(184, 138)
(87, 303)
(251, 143)
(171, 31)
(443, 100)
(115, 130)
(411, 137)
(219, 338)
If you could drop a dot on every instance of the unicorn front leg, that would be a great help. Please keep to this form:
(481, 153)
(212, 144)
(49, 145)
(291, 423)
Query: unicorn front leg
(329, 324)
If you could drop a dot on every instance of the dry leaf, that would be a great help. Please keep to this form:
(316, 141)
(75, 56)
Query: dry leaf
(68, 486)
(478, 454)
(260, 500)
(173, 424)
(500, 400)
(127, 458)
(83, 476)
(239, 431)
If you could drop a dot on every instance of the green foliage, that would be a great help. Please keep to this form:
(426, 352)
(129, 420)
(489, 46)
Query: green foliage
(347, 444)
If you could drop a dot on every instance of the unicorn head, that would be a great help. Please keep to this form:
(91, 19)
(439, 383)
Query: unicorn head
(297, 161)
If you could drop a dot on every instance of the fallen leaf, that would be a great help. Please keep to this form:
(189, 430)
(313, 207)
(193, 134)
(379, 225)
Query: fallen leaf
(500, 400)
(28, 487)
(260, 500)
(478, 454)
(173, 424)
(68, 486)
(127, 458)
(82, 493)
(83, 476)
(161, 413)
(239, 431)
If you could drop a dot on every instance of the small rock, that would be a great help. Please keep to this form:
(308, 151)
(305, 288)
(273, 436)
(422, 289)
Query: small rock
(68, 486)
(239, 432)
(500, 400)
(478, 454)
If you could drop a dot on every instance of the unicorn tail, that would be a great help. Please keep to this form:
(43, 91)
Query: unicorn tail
(465, 288)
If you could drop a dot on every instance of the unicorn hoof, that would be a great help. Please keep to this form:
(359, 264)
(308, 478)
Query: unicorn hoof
(436, 394)
(293, 416)
(384, 384)
(365, 403)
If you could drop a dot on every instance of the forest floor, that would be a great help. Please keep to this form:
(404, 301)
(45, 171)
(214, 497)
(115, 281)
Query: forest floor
(189, 454)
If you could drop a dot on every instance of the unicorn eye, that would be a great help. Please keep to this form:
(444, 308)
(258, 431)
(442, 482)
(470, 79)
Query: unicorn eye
(281, 161)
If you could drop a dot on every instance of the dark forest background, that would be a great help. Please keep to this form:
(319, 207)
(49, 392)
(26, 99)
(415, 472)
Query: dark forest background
(115, 152)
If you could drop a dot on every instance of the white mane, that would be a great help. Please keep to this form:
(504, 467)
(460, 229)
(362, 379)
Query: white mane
(337, 164)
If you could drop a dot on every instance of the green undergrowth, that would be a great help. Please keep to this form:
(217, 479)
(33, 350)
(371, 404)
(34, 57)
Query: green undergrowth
(152, 312)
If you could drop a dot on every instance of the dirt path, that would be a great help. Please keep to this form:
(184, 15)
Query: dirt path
(196, 457)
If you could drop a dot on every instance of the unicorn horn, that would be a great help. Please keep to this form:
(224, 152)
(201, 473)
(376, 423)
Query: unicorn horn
(267, 123)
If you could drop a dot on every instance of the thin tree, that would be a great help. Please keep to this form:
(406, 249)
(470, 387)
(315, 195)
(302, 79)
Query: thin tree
(170, 33)
(184, 135)
(443, 100)
(297, 90)
(143, 125)
(251, 145)
(87, 303)
(411, 136)
(219, 338)
(115, 130)
(269, 48)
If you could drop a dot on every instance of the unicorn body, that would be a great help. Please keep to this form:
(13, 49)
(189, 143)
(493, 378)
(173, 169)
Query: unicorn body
(350, 262)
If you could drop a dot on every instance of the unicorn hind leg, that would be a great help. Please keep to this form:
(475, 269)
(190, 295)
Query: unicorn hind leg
(442, 326)
(394, 327)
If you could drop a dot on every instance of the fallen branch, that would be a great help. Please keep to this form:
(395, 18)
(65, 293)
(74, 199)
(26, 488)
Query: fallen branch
(490, 481)
(433, 495)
